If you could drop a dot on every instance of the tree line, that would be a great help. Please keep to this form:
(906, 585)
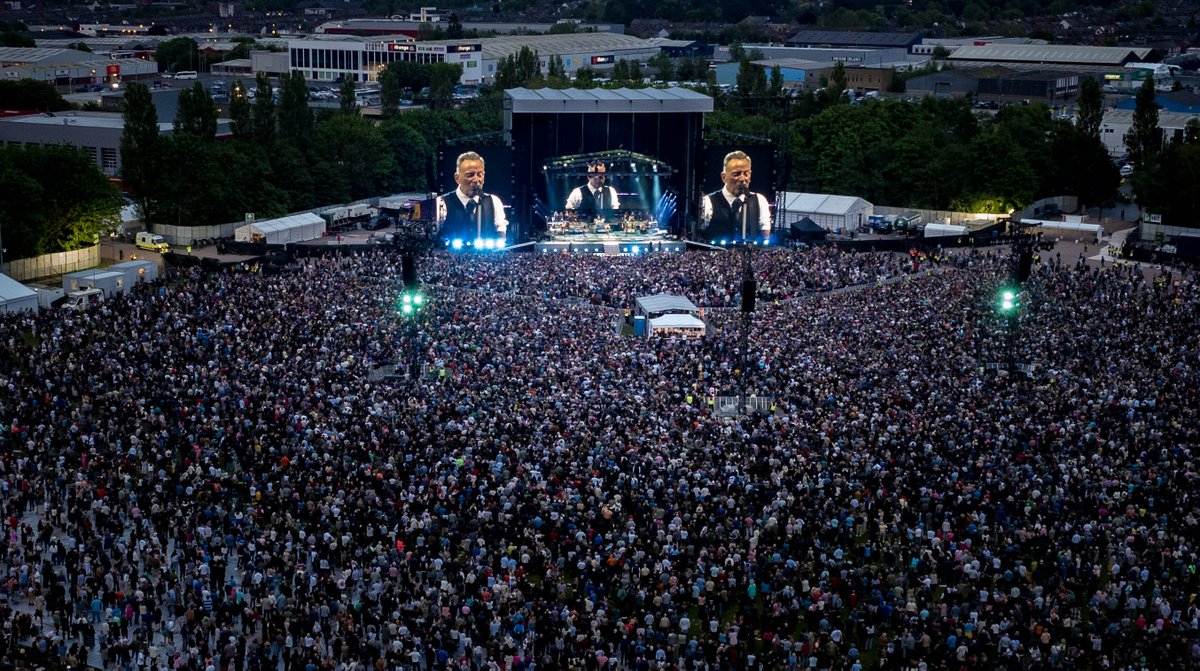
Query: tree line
(282, 155)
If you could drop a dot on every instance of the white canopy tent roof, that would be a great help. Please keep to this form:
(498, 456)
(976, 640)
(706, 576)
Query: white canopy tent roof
(15, 296)
(678, 322)
(292, 228)
(659, 303)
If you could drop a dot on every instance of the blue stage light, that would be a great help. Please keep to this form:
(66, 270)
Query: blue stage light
(457, 243)
(478, 243)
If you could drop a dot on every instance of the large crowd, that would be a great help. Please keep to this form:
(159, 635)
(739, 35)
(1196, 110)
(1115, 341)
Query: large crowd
(205, 474)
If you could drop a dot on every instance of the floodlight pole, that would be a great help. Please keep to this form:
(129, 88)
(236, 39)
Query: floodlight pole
(747, 310)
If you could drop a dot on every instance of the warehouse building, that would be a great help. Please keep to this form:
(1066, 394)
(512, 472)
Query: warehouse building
(336, 57)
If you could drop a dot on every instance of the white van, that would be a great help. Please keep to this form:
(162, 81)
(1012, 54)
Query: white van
(186, 74)
(83, 299)
(153, 242)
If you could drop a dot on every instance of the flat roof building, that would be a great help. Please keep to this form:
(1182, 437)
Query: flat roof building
(329, 58)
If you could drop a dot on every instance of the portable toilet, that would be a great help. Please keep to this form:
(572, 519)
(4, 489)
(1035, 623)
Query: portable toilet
(639, 325)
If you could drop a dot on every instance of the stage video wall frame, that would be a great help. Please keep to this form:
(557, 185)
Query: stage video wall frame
(542, 124)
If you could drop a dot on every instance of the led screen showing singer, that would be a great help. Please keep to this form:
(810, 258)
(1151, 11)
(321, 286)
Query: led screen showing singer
(735, 212)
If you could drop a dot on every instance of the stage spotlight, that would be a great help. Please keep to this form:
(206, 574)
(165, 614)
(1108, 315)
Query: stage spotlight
(637, 249)
(500, 243)
(724, 242)
(478, 243)
(488, 243)
(456, 244)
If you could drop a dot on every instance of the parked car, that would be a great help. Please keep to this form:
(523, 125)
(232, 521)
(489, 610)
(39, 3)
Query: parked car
(1126, 170)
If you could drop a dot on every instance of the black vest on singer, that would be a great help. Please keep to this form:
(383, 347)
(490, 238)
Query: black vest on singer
(459, 225)
(589, 205)
(724, 225)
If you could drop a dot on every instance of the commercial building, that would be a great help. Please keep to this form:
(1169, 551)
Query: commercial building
(98, 134)
(1118, 122)
(69, 67)
(1050, 56)
(854, 40)
(333, 58)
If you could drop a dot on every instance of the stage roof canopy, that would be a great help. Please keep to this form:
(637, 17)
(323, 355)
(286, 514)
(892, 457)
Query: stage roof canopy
(662, 303)
(578, 101)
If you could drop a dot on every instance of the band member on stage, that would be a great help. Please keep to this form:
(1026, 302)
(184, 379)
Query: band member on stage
(735, 212)
(594, 198)
(467, 213)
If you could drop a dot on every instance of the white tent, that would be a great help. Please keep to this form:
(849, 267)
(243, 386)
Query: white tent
(15, 297)
(682, 325)
(828, 212)
(292, 228)
(652, 306)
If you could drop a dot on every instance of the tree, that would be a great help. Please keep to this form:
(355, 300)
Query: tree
(264, 110)
(28, 94)
(239, 112)
(555, 67)
(775, 87)
(356, 155)
(522, 69)
(1091, 108)
(620, 71)
(411, 151)
(196, 114)
(1144, 139)
(180, 53)
(585, 77)
(664, 69)
(81, 46)
(53, 198)
(443, 77)
(454, 29)
(139, 144)
(347, 101)
(295, 118)
(410, 75)
(751, 80)
(635, 73)
(389, 92)
(835, 91)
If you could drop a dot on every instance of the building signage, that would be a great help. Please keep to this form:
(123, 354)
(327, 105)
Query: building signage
(113, 69)
(463, 48)
(603, 60)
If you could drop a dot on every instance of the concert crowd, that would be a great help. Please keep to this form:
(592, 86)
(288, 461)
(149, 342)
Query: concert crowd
(205, 474)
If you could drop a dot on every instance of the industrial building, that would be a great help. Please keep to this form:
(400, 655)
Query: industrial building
(1118, 122)
(98, 134)
(1050, 56)
(332, 58)
(854, 40)
(69, 67)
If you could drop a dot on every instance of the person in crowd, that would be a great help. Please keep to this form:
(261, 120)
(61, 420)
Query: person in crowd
(208, 473)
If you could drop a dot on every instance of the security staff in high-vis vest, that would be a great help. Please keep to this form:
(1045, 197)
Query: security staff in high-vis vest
(594, 198)
(735, 212)
(467, 213)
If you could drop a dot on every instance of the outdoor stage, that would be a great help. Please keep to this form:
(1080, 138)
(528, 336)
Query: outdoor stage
(604, 243)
